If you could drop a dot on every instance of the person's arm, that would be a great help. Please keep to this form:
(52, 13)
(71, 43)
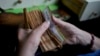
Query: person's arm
(96, 53)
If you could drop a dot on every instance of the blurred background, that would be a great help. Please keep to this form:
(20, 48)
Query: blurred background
(85, 14)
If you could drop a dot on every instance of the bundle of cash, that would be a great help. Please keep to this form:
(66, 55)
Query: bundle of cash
(52, 38)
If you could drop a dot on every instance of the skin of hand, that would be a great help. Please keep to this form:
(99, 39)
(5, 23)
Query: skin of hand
(73, 34)
(96, 44)
(29, 39)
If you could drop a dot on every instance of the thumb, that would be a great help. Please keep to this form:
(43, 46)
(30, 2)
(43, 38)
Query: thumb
(58, 21)
(35, 36)
(63, 24)
(42, 28)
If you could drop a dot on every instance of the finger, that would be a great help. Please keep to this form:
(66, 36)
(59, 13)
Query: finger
(22, 33)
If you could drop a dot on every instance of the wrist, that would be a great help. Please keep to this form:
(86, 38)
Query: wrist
(89, 46)
(84, 38)
(96, 44)
(28, 50)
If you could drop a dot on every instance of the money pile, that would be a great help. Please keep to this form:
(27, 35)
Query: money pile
(52, 38)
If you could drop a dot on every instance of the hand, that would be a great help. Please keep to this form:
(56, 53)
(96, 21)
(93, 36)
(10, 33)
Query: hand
(73, 34)
(30, 39)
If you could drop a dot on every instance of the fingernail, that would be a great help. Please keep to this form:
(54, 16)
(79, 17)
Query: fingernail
(47, 22)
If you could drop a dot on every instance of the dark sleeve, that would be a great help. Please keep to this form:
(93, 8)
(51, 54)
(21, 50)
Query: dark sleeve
(96, 53)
